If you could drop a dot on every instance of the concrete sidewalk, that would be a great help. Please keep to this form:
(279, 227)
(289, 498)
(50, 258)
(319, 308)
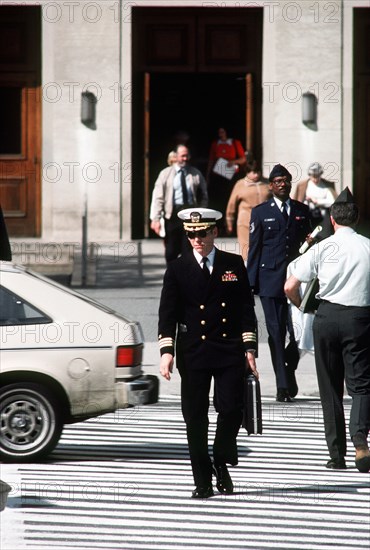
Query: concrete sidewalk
(127, 276)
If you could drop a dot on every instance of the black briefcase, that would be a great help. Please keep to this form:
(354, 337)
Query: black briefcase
(252, 408)
(309, 302)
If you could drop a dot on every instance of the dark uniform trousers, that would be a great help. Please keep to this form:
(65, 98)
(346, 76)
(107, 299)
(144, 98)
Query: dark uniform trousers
(341, 339)
(276, 319)
(228, 402)
(213, 323)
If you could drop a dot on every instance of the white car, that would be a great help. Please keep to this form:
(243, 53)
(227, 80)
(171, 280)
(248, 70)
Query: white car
(63, 358)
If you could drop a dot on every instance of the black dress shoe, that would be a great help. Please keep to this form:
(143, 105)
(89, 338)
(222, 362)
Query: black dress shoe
(291, 380)
(292, 383)
(336, 464)
(362, 460)
(283, 396)
(223, 480)
(202, 492)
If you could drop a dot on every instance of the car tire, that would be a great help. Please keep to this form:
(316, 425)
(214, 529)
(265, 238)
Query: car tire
(31, 422)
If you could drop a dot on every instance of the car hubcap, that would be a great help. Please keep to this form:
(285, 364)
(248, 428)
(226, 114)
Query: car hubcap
(23, 419)
(24, 423)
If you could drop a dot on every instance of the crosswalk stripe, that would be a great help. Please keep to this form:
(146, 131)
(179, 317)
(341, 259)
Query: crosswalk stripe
(123, 481)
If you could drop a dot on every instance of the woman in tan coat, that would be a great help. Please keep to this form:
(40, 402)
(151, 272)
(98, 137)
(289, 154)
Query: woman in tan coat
(246, 193)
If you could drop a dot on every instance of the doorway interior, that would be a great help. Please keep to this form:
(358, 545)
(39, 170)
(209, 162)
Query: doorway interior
(189, 108)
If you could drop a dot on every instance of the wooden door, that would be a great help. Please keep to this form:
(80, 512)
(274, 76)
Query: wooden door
(361, 141)
(20, 120)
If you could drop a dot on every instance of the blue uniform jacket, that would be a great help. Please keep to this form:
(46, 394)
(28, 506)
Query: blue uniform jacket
(273, 244)
(214, 319)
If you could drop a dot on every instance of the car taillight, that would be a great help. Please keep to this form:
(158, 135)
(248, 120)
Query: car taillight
(129, 356)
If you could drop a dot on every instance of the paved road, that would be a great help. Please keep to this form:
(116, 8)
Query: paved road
(122, 481)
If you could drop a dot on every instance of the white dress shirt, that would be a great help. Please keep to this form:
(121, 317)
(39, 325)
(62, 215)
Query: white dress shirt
(342, 264)
(211, 259)
(280, 205)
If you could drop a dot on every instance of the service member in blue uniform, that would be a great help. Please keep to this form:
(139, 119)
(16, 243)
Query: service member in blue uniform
(207, 307)
(341, 329)
(278, 228)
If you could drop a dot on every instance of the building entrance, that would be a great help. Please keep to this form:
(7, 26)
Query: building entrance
(194, 70)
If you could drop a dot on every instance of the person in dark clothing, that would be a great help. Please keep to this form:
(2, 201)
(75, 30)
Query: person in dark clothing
(278, 228)
(206, 304)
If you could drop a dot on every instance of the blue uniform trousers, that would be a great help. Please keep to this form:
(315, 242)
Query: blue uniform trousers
(276, 317)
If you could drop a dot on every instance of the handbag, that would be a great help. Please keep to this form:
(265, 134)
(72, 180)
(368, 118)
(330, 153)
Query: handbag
(309, 302)
(252, 406)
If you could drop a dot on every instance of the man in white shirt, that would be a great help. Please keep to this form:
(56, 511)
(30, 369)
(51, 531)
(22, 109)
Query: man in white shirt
(341, 329)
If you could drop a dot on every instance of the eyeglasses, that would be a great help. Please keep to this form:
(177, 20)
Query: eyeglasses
(202, 233)
(279, 181)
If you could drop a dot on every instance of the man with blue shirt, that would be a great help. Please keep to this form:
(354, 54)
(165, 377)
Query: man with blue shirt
(341, 329)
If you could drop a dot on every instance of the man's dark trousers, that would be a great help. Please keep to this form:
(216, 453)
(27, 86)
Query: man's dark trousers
(228, 399)
(341, 335)
(276, 316)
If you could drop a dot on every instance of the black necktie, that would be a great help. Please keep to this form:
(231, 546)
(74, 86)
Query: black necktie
(206, 271)
(184, 189)
(285, 211)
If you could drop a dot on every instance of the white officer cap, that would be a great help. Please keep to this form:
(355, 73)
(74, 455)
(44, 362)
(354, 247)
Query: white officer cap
(196, 219)
(315, 169)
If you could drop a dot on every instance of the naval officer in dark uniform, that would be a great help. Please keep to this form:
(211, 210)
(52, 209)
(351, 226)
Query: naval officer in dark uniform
(341, 329)
(207, 306)
(278, 228)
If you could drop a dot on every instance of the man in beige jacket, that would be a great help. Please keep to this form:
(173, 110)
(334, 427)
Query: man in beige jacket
(178, 186)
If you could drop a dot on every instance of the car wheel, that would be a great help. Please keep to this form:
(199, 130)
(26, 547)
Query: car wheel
(31, 422)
